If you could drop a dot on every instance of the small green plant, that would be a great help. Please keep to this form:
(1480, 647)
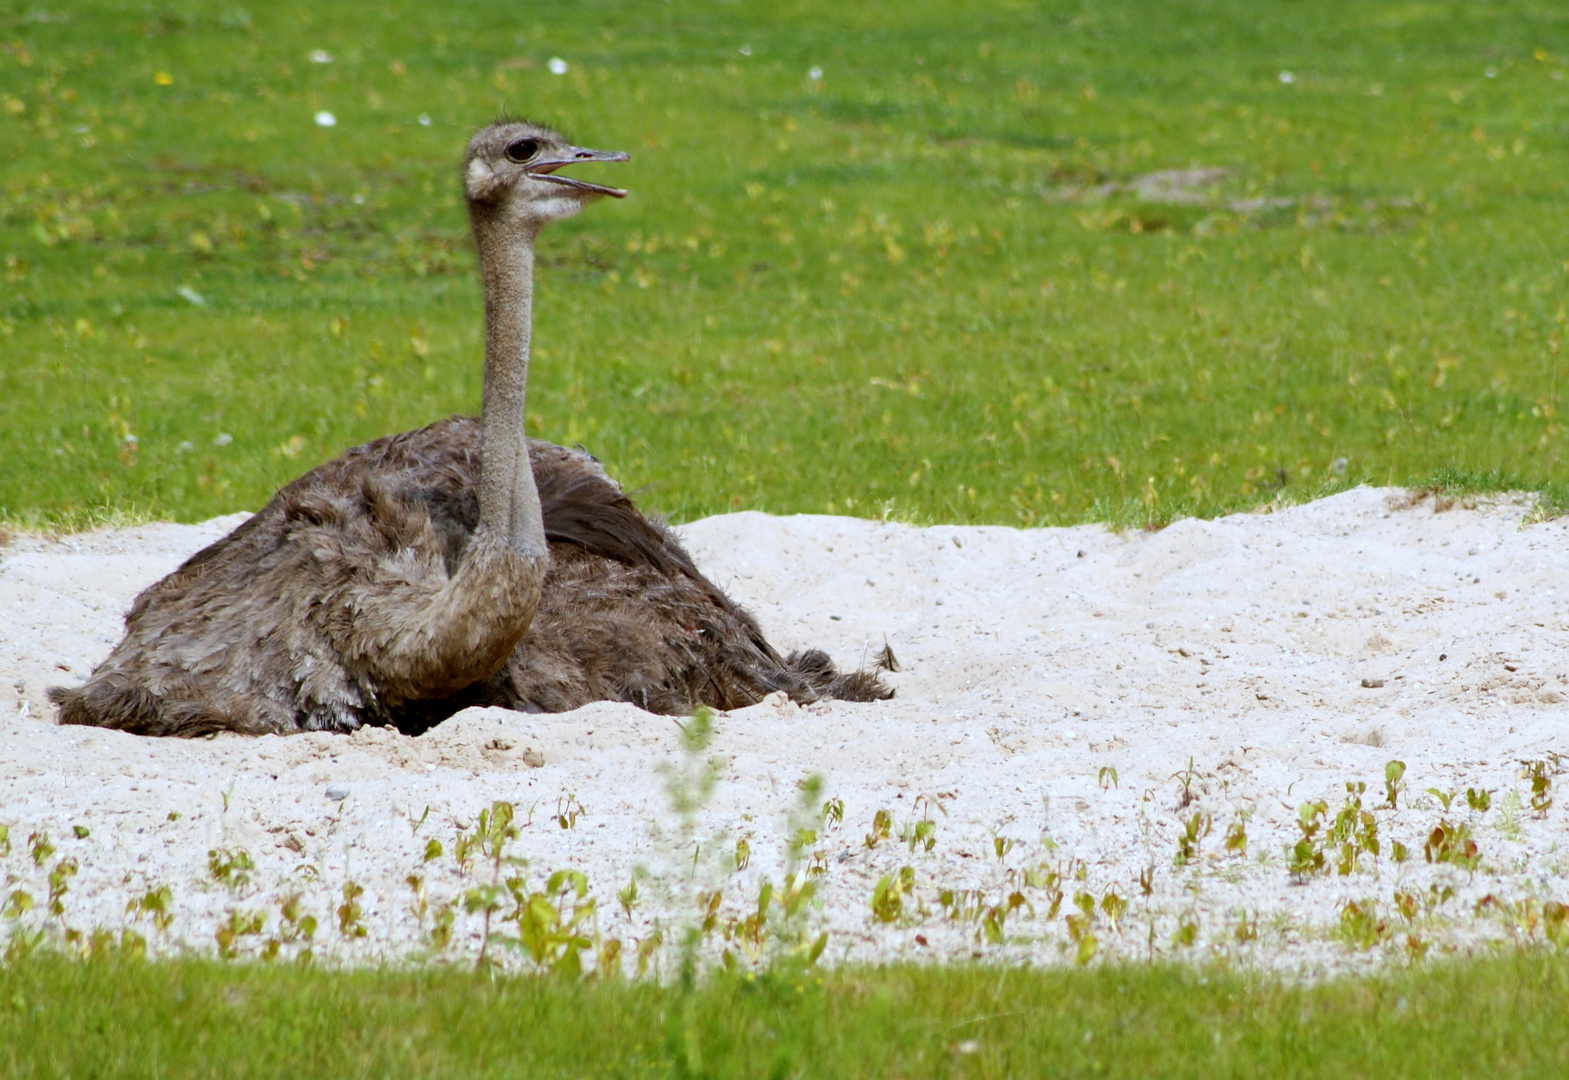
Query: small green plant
(432, 850)
(62, 872)
(833, 813)
(921, 830)
(1246, 929)
(1361, 926)
(568, 810)
(350, 911)
(1194, 830)
(628, 897)
(1354, 831)
(1185, 778)
(743, 854)
(1555, 923)
(1444, 797)
(1541, 786)
(154, 903)
(1187, 933)
(1112, 905)
(5, 841)
(1407, 904)
(238, 925)
(552, 923)
(296, 930)
(1394, 782)
(1451, 842)
(81, 832)
(1307, 854)
(1079, 928)
(19, 903)
(889, 893)
(1480, 801)
(1237, 835)
(230, 868)
(1107, 778)
(39, 847)
(882, 826)
(1398, 851)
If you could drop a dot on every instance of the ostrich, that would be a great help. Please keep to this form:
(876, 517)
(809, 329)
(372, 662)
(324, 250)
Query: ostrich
(460, 564)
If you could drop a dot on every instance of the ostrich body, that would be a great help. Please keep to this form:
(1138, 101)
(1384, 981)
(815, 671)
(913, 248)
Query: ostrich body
(460, 564)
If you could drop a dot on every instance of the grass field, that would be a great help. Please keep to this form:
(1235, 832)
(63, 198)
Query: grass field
(1492, 1019)
(926, 283)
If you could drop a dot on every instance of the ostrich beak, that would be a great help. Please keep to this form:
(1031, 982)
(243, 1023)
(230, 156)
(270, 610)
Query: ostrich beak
(573, 155)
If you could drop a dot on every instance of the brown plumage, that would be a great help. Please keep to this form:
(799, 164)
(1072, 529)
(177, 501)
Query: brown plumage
(451, 566)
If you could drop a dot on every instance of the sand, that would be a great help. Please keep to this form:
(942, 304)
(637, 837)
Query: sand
(1283, 655)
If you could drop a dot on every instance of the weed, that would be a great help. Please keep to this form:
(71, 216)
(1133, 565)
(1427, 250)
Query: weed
(743, 854)
(889, 893)
(1444, 797)
(1394, 782)
(81, 832)
(1001, 845)
(1361, 926)
(19, 903)
(350, 911)
(1237, 835)
(833, 813)
(921, 831)
(1398, 851)
(1555, 923)
(39, 847)
(1307, 855)
(296, 930)
(155, 903)
(882, 825)
(5, 840)
(238, 925)
(1451, 842)
(568, 810)
(63, 871)
(230, 868)
(1107, 778)
(1246, 929)
(432, 850)
(1194, 830)
(1112, 906)
(1354, 831)
(1185, 778)
(1079, 928)
(551, 922)
(1541, 785)
(628, 897)
(1187, 933)
(1480, 801)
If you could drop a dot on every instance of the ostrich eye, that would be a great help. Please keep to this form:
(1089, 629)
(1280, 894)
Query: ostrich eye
(524, 150)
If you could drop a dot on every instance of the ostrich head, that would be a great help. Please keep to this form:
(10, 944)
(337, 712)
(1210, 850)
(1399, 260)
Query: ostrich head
(509, 172)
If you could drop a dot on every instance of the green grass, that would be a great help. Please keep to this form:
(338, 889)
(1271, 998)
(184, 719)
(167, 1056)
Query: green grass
(869, 293)
(1492, 1018)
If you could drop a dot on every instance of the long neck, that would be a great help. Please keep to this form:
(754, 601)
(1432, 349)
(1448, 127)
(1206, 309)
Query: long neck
(509, 511)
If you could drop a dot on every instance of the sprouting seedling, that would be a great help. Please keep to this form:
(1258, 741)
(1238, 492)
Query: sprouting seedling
(350, 911)
(1107, 778)
(882, 826)
(417, 825)
(1398, 851)
(63, 870)
(833, 813)
(1237, 834)
(1480, 801)
(5, 840)
(568, 810)
(1307, 855)
(1451, 842)
(1541, 784)
(1246, 929)
(81, 832)
(1407, 904)
(230, 868)
(1187, 932)
(743, 854)
(1444, 797)
(1194, 830)
(1360, 924)
(1001, 845)
(156, 904)
(239, 924)
(229, 794)
(1394, 773)
(1147, 881)
(1112, 906)
(889, 893)
(628, 896)
(39, 847)
(432, 850)
(922, 831)
(1185, 777)
(19, 903)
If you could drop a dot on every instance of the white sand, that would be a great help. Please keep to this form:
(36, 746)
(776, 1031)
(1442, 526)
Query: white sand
(1031, 660)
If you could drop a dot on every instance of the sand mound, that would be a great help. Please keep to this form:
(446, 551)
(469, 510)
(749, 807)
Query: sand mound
(1284, 655)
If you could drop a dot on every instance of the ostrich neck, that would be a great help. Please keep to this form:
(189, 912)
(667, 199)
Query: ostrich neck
(509, 513)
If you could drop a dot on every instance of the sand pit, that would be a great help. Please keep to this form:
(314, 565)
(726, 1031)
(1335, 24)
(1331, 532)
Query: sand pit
(1284, 654)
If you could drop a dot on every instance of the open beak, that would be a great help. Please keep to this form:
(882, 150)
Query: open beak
(573, 155)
